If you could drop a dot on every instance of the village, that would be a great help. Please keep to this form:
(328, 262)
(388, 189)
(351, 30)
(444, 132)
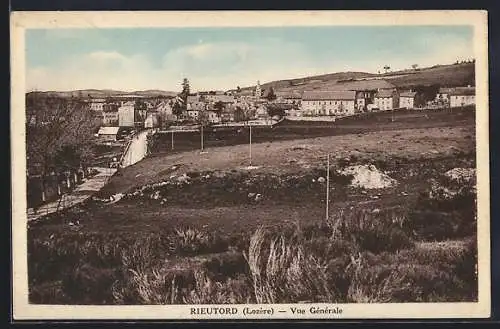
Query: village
(119, 120)
(265, 107)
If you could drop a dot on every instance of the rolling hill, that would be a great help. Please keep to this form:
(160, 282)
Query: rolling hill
(443, 75)
(97, 93)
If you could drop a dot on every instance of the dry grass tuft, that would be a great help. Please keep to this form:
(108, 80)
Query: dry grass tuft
(281, 272)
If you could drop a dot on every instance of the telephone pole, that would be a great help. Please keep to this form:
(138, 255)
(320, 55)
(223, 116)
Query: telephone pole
(250, 148)
(201, 117)
(327, 183)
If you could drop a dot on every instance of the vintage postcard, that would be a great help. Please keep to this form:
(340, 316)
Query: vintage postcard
(250, 165)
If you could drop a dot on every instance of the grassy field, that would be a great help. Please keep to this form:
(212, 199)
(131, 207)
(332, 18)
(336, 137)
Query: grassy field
(291, 130)
(443, 75)
(203, 228)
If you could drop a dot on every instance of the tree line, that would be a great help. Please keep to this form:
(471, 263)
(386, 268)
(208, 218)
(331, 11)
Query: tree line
(58, 135)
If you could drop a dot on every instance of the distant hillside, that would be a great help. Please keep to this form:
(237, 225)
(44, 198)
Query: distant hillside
(97, 93)
(312, 82)
(443, 75)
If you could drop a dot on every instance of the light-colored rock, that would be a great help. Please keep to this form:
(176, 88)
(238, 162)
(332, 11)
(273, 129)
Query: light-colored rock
(368, 177)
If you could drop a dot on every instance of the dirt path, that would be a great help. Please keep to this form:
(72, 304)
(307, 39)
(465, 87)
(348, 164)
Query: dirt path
(137, 149)
(78, 195)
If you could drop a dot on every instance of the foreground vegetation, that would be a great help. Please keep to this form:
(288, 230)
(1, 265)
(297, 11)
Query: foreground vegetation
(193, 228)
(423, 250)
(356, 258)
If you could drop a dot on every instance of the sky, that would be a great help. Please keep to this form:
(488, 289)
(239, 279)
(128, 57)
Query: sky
(131, 59)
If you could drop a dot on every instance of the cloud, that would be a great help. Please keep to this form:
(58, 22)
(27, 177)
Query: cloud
(106, 55)
(99, 70)
(227, 64)
(217, 65)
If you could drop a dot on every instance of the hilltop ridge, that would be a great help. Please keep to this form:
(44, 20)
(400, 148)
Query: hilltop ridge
(450, 75)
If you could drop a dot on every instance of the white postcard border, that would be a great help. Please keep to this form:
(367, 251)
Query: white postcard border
(20, 21)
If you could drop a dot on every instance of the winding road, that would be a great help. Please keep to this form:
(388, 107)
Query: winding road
(137, 149)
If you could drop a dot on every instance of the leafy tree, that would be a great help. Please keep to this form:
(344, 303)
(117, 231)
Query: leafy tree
(274, 110)
(239, 114)
(271, 96)
(238, 89)
(414, 66)
(219, 105)
(178, 108)
(185, 90)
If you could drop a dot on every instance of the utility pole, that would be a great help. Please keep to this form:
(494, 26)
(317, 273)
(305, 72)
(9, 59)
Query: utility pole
(201, 125)
(250, 148)
(327, 183)
(172, 140)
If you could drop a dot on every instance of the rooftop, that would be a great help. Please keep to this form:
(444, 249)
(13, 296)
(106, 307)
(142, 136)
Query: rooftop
(289, 94)
(329, 95)
(463, 91)
(408, 94)
(445, 90)
(108, 130)
(384, 93)
(222, 98)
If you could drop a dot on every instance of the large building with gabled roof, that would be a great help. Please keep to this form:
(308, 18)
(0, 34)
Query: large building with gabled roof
(338, 103)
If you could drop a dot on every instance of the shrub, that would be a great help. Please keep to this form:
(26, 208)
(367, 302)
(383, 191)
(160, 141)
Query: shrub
(231, 291)
(191, 241)
(149, 287)
(143, 254)
(47, 293)
(436, 226)
(373, 232)
(90, 285)
(375, 283)
(281, 272)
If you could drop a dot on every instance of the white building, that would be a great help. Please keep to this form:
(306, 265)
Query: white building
(328, 102)
(97, 104)
(443, 95)
(261, 112)
(293, 97)
(126, 114)
(214, 116)
(193, 114)
(463, 96)
(108, 134)
(110, 117)
(385, 100)
(407, 99)
(152, 120)
(226, 99)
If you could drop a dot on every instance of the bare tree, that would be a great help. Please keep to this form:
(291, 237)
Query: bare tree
(59, 140)
(387, 68)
